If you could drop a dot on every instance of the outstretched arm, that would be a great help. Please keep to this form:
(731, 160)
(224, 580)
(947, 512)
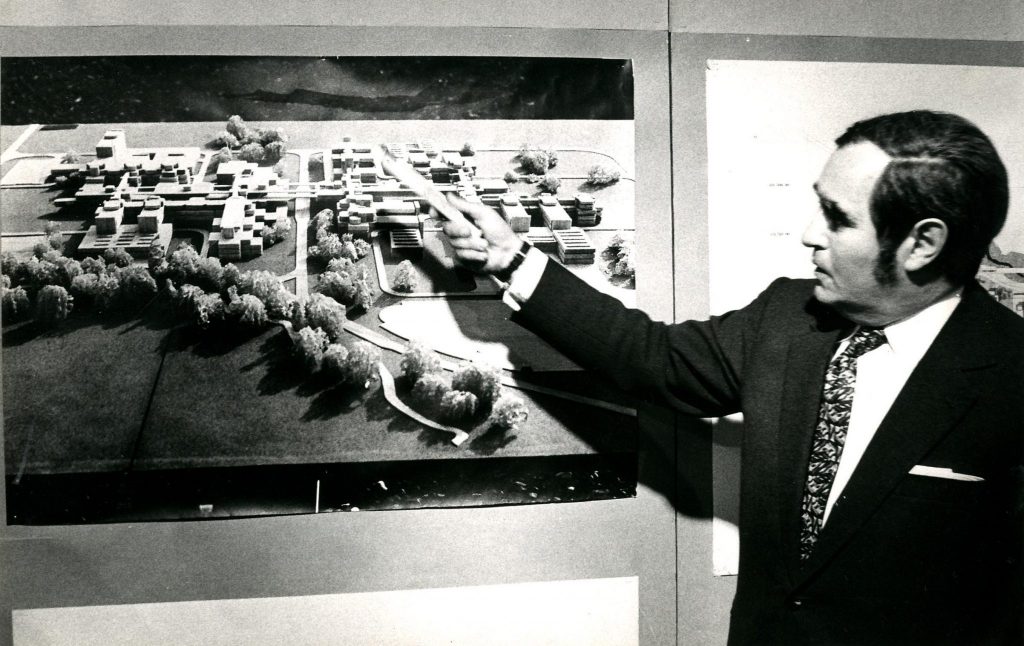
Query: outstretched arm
(693, 366)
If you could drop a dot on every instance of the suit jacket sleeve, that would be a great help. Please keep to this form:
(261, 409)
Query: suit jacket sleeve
(696, 367)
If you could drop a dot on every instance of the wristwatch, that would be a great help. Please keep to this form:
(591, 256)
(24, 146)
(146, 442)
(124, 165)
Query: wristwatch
(505, 275)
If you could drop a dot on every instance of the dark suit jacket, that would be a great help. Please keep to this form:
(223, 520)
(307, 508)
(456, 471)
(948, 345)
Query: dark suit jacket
(903, 558)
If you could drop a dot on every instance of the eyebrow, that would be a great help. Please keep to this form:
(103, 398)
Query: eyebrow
(835, 215)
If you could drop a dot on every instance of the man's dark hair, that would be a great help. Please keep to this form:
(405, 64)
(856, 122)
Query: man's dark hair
(943, 166)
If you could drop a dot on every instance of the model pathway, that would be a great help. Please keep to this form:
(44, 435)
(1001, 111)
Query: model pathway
(301, 230)
(12, 150)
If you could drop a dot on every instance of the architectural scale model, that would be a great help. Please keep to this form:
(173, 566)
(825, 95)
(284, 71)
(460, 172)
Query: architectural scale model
(163, 187)
(132, 205)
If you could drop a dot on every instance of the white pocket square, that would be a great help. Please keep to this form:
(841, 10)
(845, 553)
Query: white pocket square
(943, 472)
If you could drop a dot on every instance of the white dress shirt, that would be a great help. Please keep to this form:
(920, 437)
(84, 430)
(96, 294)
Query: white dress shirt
(881, 374)
(525, 279)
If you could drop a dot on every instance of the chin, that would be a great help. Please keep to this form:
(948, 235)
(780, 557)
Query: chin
(824, 295)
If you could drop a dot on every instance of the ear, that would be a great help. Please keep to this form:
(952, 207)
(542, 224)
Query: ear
(925, 242)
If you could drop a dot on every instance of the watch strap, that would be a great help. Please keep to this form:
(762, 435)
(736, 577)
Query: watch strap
(505, 275)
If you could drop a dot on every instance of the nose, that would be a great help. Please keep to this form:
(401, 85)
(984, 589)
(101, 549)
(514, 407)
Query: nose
(814, 234)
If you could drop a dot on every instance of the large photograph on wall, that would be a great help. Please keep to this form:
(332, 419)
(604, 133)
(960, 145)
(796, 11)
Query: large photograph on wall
(770, 128)
(220, 300)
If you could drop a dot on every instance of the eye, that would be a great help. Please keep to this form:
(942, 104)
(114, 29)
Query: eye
(835, 217)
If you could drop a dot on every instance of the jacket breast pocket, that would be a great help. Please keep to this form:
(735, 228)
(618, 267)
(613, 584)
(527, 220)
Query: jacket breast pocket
(946, 491)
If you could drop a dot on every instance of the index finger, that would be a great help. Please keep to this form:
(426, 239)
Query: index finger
(406, 174)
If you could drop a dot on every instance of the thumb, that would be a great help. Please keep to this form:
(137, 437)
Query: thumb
(482, 216)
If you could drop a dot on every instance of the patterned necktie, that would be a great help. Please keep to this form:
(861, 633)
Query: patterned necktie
(830, 433)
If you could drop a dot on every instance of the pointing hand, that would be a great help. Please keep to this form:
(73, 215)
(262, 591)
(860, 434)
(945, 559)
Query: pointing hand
(483, 241)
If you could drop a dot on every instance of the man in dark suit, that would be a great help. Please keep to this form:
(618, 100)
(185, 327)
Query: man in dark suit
(883, 400)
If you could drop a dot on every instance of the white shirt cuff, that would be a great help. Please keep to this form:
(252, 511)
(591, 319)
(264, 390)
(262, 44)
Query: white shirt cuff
(525, 279)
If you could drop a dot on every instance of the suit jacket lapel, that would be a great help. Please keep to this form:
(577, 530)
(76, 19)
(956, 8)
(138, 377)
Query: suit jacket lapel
(934, 398)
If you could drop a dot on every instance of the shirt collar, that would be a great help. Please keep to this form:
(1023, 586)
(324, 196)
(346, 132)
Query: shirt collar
(912, 336)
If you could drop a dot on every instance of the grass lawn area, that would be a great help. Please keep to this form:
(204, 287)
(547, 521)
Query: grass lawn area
(236, 400)
(435, 274)
(29, 209)
(74, 398)
(83, 137)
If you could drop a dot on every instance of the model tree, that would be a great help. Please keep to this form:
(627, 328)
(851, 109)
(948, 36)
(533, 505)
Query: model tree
(361, 363)
(620, 250)
(341, 265)
(53, 304)
(209, 274)
(337, 285)
(246, 309)
(310, 347)
(237, 127)
(295, 314)
(85, 288)
(602, 175)
(405, 279)
(252, 152)
(281, 229)
(16, 304)
(624, 265)
(269, 136)
(334, 360)
(157, 260)
(330, 246)
(260, 283)
(136, 286)
(92, 265)
(419, 360)
(364, 293)
(9, 263)
(225, 139)
(281, 303)
(273, 152)
(430, 388)
(550, 184)
(458, 404)
(326, 313)
(257, 144)
(536, 161)
(348, 249)
(482, 381)
(67, 269)
(362, 247)
(222, 156)
(508, 413)
(71, 157)
(208, 309)
(53, 236)
(324, 219)
(184, 263)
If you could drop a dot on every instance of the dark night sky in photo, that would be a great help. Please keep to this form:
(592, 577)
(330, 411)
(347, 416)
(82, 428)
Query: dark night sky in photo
(210, 88)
